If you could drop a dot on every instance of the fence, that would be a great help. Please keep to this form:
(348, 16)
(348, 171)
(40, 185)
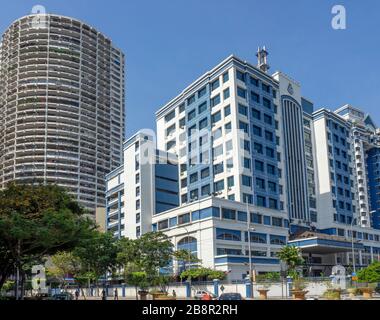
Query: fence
(277, 290)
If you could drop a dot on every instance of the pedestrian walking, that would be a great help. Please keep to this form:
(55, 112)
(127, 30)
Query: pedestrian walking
(76, 294)
(116, 295)
(174, 294)
(104, 295)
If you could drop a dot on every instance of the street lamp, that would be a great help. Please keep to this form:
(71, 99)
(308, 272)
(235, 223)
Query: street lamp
(352, 244)
(249, 229)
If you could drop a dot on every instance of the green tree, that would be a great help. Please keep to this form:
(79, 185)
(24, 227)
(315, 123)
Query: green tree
(186, 256)
(138, 279)
(97, 256)
(63, 263)
(146, 254)
(292, 257)
(37, 221)
(371, 274)
(202, 273)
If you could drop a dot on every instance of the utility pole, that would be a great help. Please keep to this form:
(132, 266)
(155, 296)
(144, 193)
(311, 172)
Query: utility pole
(249, 229)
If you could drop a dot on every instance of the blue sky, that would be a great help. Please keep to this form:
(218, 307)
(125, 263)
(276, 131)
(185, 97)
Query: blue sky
(170, 43)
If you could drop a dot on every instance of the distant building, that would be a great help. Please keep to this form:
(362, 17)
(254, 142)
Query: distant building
(61, 106)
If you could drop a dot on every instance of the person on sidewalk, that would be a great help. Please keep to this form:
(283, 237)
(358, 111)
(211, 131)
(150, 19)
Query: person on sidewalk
(116, 295)
(104, 296)
(174, 294)
(76, 294)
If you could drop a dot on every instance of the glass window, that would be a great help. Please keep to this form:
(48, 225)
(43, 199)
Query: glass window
(228, 214)
(202, 107)
(260, 183)
(218, 168)
(254, 81)
(272, 186)
(266, 103)
(271, 169)
(216, 117)
(191, 115)
(241, 93)
(246, 181)
(227, 127)
(243, 110)
(203, 123)
(277, 222)
(205, 190)
(205, 173)
(219, 186)
(258, 147)
(255, 97)
(226, 93)
(225, 234)
(277, 240)
(170, 116)
(247, 163)
(256, 237)
(225, 77)
(202, 92)
(227, 111)
(267, 119)
(184, 218)
(215, 85)
(230, 182)
(217, 151)
(191, 99)
(240, 75)
(181, 108)
(194, 177)
(256, 114)
(261, 201)
(215, 101)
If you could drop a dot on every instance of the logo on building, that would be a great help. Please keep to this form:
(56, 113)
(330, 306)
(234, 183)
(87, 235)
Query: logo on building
(290, 89)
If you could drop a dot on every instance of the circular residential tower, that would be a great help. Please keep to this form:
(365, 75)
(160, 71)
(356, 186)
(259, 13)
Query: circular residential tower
(61, 106)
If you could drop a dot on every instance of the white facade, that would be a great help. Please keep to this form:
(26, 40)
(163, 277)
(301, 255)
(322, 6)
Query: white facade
(214, 248)
(62, 106)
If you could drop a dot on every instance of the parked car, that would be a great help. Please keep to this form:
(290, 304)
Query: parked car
(63, 296)
(199, 294)
(230, 296)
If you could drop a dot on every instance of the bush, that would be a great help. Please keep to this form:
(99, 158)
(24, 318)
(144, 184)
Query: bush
(199, 273)
(332, 294)
(371, 274)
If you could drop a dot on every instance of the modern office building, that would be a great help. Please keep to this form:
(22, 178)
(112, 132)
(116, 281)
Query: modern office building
(365, 144)
(255, 158)
(144, 186)
(61, 106)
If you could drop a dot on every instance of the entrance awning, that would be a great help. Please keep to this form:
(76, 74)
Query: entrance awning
(318, 243)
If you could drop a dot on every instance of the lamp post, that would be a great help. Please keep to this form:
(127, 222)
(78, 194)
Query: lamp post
(352, 244)
(249, 229)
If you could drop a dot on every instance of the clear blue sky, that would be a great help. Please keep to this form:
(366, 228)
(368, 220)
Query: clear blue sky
(169, 43)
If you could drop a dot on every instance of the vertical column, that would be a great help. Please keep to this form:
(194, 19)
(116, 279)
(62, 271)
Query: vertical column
(216, 287)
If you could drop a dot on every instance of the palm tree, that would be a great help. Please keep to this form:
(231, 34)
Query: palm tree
(292, 257)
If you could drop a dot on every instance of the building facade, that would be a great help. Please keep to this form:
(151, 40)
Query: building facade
(258, 168)
(61, 106)
(145, 185)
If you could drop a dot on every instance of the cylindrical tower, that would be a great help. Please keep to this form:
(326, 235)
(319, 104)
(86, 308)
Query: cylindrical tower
(61, 106)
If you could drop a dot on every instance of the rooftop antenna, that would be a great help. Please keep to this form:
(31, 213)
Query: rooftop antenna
(262, 62)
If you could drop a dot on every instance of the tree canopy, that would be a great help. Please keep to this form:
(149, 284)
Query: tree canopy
(36, 221)
(371, 274)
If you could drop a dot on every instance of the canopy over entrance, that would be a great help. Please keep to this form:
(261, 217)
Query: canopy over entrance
(320, 243)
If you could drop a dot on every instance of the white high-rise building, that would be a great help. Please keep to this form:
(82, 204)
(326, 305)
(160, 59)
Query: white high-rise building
(257, 169)
(61, 106)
